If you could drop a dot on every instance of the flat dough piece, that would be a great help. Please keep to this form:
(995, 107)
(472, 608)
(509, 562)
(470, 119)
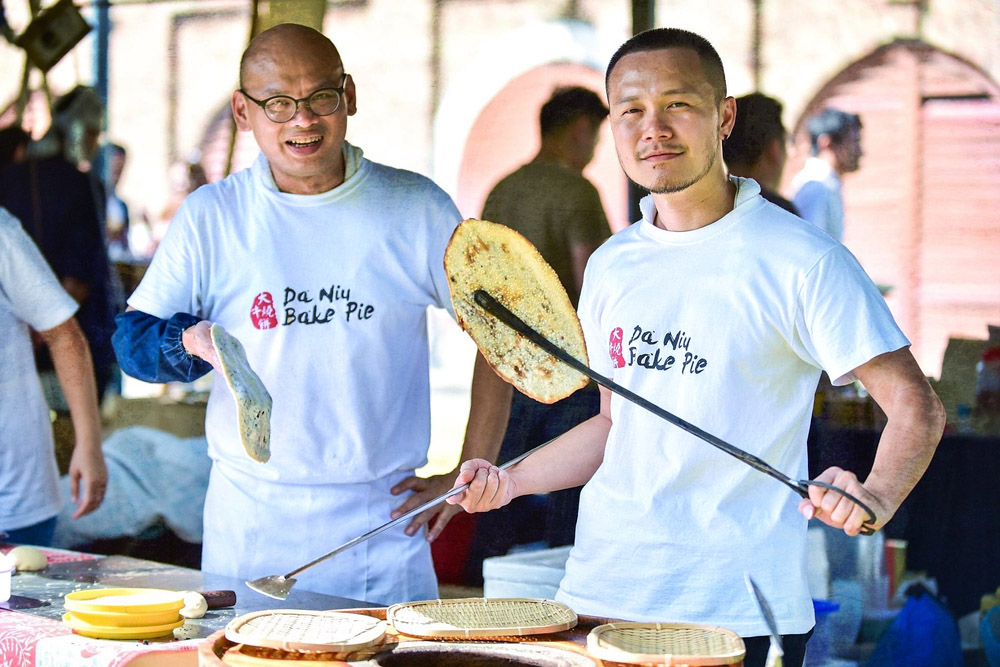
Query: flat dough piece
(253, 403)
(495, 258)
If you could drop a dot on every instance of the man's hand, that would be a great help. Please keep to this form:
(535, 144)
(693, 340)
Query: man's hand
(87, 467)
(425, 489)
(197, 341)
(489, 487)
(837, 510)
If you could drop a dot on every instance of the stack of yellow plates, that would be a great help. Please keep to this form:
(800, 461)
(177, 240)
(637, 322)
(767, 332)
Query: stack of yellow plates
(124, 613)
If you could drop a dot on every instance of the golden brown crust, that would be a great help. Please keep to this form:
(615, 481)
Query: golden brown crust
(495, 258)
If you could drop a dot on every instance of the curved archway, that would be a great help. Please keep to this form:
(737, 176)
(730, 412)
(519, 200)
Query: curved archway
(472, 151)
(920, 213)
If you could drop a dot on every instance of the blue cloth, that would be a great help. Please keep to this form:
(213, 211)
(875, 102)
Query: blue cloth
(923, 635)
(39, 534)
(150, 348)
(154, 478)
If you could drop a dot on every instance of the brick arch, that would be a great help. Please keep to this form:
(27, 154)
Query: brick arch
(505, 135)
(920, 214)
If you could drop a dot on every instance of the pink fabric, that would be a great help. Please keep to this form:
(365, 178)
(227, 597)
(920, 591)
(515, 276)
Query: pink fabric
(20, 634)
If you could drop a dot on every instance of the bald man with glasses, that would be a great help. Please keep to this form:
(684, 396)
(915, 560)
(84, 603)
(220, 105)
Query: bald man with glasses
(322, 263)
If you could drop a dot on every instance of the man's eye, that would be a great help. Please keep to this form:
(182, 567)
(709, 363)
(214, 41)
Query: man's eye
(322, 96)
(677, 105)
(279, 104)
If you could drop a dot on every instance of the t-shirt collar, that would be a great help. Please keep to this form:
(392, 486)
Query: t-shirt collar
(747, 192)
(352, 163)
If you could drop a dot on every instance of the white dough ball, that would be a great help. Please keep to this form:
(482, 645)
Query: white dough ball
(27, 559)
(195, 605)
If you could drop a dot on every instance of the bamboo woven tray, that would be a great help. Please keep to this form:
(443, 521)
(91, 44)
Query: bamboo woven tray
(665, 644)
(480, 618)
(306, 631)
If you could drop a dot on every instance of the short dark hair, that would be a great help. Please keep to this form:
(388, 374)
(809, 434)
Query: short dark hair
(834, 123)
(675, 38)
(758, 123)
(11, 138)
(569, 103)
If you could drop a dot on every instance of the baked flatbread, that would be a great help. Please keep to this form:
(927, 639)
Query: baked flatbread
(495, 258)
(253, 403)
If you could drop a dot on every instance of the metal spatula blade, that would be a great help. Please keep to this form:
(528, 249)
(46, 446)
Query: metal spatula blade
(275, 586)
(775, 651)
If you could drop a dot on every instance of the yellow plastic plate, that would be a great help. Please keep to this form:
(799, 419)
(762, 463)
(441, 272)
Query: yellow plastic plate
(114, 619)
(124, 600)
(102, 632)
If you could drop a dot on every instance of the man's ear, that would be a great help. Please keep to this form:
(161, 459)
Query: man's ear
(824, 142)
(727, 117)
(350, 96)
(240, 111)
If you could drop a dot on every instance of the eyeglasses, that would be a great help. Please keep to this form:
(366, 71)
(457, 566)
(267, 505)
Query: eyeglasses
(282, 108)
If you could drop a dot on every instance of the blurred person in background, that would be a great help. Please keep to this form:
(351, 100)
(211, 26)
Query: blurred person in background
(117, 225)
(835, 138)
(551, 203)
(756, 147)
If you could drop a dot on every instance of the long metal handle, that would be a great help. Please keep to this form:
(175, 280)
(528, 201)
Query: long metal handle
(408, 515)
(497, 309)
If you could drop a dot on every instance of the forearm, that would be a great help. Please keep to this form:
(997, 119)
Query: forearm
(907, 445)
(151, 349)
(569, 461)
(75, 370)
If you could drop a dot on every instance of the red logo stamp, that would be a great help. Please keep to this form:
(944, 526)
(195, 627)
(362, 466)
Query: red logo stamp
(615, 348)
(262, 313)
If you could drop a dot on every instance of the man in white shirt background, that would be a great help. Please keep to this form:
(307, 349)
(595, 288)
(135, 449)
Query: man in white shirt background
(836, 150)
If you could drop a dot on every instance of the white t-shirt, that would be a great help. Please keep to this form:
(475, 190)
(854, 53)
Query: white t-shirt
(30, 296)
(726, 327)
(328, 294)
(819, 197)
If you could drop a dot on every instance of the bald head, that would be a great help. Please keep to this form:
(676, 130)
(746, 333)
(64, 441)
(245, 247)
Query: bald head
(275, 46)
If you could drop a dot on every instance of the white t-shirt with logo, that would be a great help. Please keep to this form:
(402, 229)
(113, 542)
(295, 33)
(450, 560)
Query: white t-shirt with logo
(726, 327)
(30, 296)
(328, 295)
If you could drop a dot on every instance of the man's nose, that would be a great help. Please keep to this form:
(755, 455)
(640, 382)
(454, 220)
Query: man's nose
(304, 115)
(657, 126)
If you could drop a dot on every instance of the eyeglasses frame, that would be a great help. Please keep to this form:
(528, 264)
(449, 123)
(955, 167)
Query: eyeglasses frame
(303, 100)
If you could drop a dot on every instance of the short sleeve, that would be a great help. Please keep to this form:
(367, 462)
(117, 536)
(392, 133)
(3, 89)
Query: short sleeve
(842, 321)
(170, 284)
(26, 280)
(599, 343)
(443, 218)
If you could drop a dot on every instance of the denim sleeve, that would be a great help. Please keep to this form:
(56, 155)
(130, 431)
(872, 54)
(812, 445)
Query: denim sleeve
(150, 348)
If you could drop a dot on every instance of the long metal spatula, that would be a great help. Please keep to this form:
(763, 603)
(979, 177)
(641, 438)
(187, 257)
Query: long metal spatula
(498, 310)
(278, 586)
